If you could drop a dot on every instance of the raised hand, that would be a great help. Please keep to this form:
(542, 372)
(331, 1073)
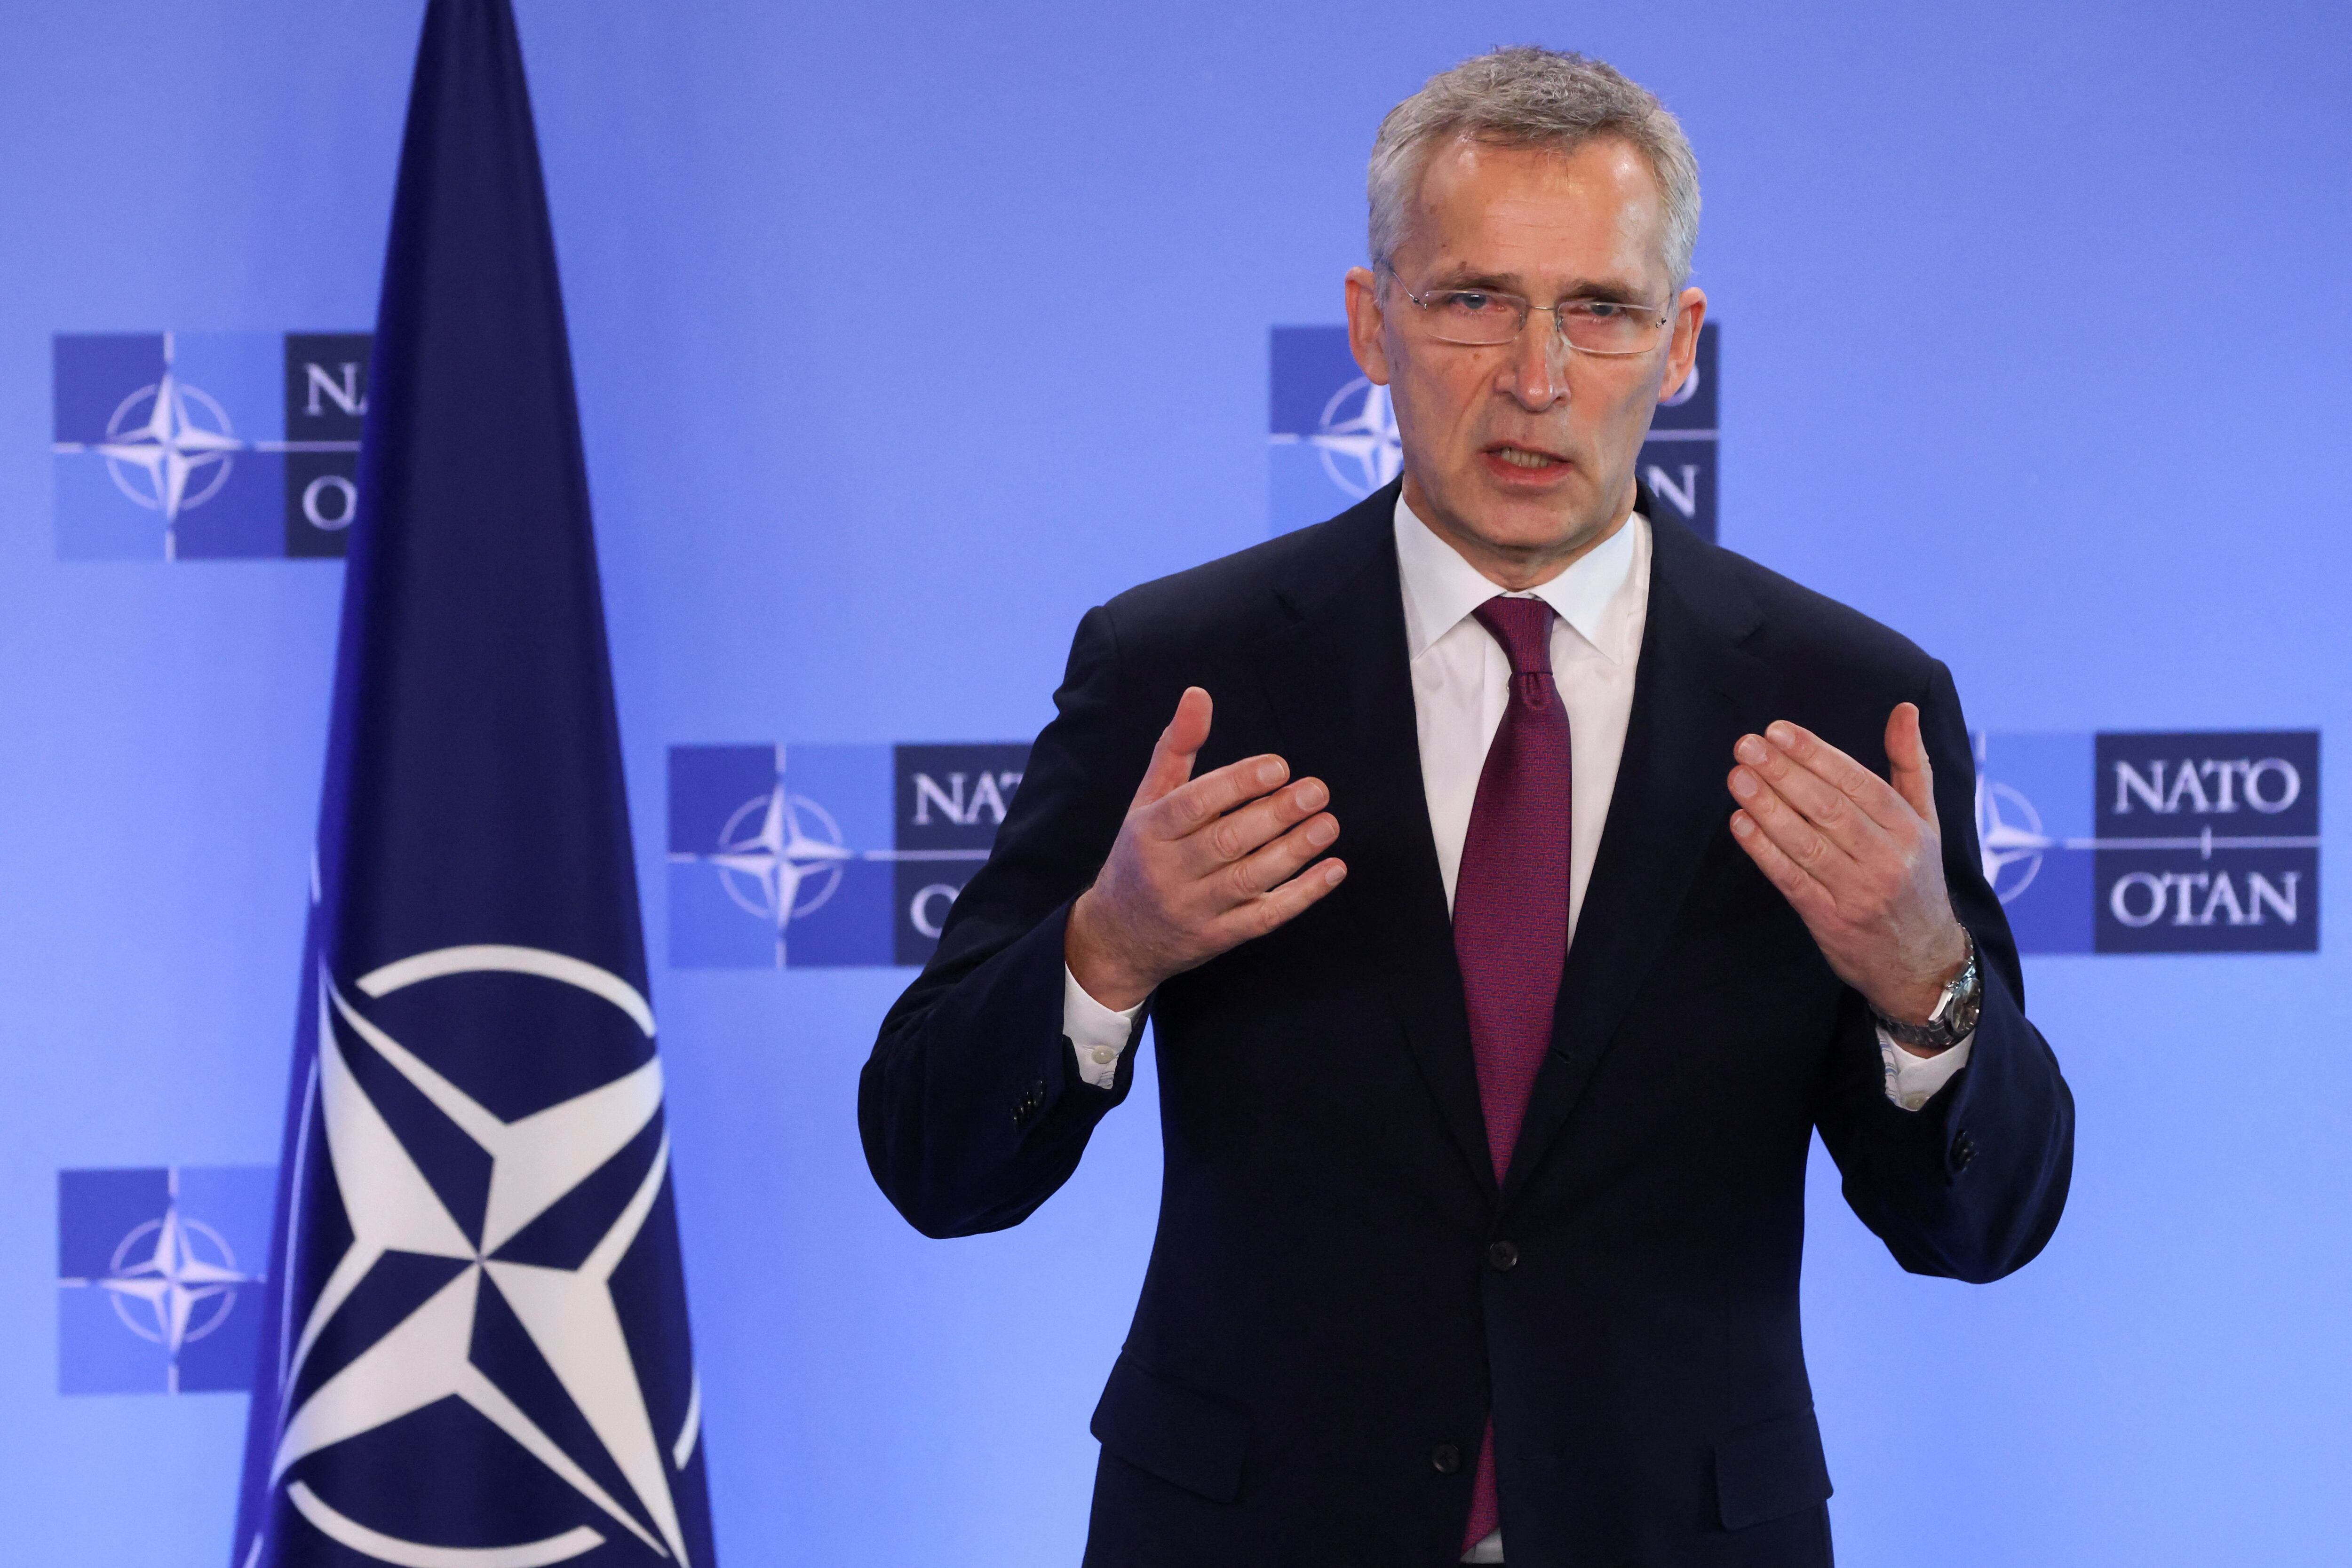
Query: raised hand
(1859, 859)
(1200, 865)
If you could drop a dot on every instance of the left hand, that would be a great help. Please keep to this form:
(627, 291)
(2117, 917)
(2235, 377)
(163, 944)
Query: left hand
(1859, 859)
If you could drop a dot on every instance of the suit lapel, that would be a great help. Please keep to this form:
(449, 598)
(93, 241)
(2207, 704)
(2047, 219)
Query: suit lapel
(1339, 680)
(1694, 693)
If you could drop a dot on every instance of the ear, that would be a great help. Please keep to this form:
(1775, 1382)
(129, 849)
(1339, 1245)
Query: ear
(1682, 350)
(1365, 323)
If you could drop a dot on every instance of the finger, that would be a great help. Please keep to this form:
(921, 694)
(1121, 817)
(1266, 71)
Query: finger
(1241, 832)
(1907, 760)
(1277, 907)
(1179, 744)
(1826, 806)
(1191, 807)
(1278, 861)
(1866, 789)
(1798, 839)
(1806, 896)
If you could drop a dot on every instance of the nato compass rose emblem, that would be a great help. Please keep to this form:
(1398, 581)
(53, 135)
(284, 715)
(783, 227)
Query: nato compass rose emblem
(1357, 440)
(169, 447)
(240, 444)
(780, 857)
(2010, 831)
(171, 1279)
(174, 1281)
(484, 1284)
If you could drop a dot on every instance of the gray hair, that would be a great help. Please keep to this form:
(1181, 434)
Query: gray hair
(1529, 97)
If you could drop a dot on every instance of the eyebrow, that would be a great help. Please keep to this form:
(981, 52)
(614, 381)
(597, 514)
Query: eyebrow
(1614, 290)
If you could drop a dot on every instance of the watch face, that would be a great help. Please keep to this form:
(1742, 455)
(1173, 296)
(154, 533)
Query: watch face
(1956, 993)
(1968, 999)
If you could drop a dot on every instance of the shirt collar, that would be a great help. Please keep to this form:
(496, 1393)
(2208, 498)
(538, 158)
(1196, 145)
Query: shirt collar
(1441, 588)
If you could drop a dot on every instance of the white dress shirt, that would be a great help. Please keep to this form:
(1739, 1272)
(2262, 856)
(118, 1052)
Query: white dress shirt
(1460, 686)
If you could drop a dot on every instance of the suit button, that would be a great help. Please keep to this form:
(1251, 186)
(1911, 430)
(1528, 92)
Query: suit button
(1445, 1458)
(1503, 1255)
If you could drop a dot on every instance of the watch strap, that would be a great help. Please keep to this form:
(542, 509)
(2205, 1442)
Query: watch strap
(1954, 1018)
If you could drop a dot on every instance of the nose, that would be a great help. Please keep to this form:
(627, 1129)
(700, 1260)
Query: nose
(1537, 371)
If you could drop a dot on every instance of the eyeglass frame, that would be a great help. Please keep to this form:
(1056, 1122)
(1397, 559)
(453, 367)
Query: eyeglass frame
(1528, 307)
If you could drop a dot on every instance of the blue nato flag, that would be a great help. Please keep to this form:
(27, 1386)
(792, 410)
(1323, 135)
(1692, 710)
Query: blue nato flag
(475, 1350)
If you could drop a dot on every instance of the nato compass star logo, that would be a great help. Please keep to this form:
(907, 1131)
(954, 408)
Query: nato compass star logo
(469, 1300)
(2153, 841)
(206, 444)
(1357, 438)
(812, 857)
(1331, 435)
(2008, 832)
(168, 448)
(155, 1278)
(174, 1281)
(780, 857)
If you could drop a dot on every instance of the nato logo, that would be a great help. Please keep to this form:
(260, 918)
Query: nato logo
(2160, 842)
(1332, 434)
(206, 445)
(812, 857)
(159, 1278)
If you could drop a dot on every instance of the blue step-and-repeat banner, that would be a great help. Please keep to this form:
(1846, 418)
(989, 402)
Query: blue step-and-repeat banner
(904, 335)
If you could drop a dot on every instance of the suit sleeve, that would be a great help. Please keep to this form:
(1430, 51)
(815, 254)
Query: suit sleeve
(971, 1107)
(1970, 1186)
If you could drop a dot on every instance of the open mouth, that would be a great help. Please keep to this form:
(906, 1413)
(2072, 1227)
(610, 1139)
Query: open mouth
(1527, 459)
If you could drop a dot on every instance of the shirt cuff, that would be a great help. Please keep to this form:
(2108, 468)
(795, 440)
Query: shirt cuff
(1096, 1032)
(1913, 1080)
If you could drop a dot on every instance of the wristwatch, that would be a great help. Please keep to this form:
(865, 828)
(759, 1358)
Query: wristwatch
(1956, 1010)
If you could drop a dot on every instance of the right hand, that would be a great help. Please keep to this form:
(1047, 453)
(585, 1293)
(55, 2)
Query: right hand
(1200, 865)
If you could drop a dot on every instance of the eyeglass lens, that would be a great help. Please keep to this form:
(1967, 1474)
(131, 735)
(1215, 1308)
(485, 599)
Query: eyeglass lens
(1596, 326)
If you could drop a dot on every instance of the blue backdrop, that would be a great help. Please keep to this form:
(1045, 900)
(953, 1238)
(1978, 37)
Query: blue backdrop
(2036, 345)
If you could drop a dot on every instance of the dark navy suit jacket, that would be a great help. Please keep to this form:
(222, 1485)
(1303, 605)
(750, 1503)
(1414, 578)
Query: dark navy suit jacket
(1328, 1318)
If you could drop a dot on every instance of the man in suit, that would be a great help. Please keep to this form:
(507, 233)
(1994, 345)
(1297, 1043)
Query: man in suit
(1485, 1144)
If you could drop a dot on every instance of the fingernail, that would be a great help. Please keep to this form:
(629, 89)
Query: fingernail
(1311, 795)
(1781, 734)
(1741, 825)
(1743, 783)
(1322, 831)
(1750, 749)
(1269, 774)
(1332, 874)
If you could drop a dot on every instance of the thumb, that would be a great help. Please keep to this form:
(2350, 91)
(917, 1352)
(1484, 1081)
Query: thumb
(1913, 775)
(1180, 743)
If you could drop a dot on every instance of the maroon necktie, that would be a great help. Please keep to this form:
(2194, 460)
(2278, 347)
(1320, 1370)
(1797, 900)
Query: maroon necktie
(1510, 911)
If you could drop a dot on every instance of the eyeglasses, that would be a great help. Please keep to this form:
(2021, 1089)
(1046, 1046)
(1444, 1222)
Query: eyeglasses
(1484, 317)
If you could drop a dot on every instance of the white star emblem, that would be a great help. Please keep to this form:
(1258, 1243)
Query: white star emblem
(2008, 832)
(180, 448)
(780, 857)
(174, 1281)
(1358, 440)
(569, 1313)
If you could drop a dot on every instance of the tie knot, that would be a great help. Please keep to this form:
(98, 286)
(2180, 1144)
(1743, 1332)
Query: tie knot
(1523, 626)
